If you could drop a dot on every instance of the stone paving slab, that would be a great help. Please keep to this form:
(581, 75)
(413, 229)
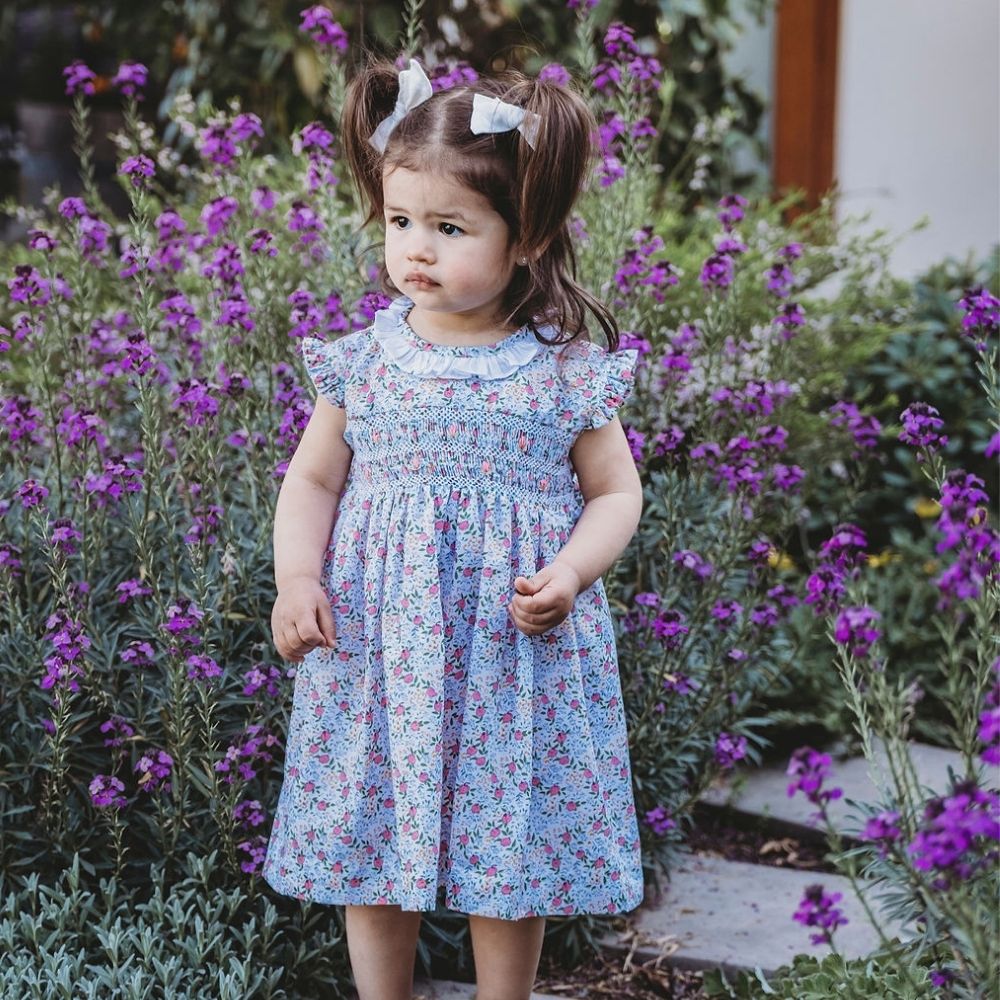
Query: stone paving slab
(738, 916)
(762, 792)
(436, 989)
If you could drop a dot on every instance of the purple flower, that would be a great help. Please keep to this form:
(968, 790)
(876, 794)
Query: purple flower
(554, 73)
(731, 210)
(31, 493)
(729, 749)
(787, 477)
(323, 29)
(131, 79)
(717, 271)
(582, 4)
(240, 757)
(845, 548)
(690, 560)
(259, 676)
(636, 439)
(726, 611)
(262, 199)
(809, 768)
(669, 628)
(245, 127)
(65, 536)
(256, 851)
(882, 830)
(313, 136)
(138, 168)
(202, 668)
(780, 279)
(29, 286)
(668, 441)
(445, 76)
(856, 629)
(982, 316)
(864, 428)
(195, 402)
(119, 730)
(105, 792)
(70, 642)
(184, 619)
(153, 770)
(110, 485)
(138, 655)
(366, 307)
(921, 424)
(262, 242)
(647, 599)
(216, 214)
(39, 239)
(790, 317)
(818, 909)
(989, 734)
(619, 40)
(955, 834)
(248, 814)
(79, 78)
(660, 820)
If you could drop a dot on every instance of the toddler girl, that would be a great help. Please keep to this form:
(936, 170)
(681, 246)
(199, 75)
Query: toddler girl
(457, 724)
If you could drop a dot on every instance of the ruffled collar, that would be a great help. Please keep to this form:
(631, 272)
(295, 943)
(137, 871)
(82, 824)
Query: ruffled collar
(421, 357)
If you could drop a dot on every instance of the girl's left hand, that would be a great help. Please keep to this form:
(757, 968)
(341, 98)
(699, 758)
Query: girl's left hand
(545, 600)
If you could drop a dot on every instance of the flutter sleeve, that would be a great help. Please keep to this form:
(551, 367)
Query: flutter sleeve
(327, 363)
(613, 378)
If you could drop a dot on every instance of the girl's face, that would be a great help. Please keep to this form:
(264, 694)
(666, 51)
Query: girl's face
(446, 248)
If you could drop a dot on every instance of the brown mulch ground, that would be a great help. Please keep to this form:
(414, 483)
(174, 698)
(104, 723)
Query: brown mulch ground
(625, 978)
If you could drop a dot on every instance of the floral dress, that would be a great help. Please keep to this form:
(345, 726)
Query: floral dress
(437, 755)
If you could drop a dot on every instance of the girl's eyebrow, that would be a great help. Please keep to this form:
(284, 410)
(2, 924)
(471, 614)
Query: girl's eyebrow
(433, 215)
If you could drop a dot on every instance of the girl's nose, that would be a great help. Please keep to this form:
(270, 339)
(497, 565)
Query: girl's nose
(419, 250)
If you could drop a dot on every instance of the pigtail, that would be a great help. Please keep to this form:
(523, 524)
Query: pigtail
(370, 97)
(551, 177)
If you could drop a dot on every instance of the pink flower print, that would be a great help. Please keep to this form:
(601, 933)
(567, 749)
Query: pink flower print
(492, 397)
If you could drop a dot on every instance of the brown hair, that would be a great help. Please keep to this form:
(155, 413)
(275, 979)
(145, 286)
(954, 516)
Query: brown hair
(533, 190)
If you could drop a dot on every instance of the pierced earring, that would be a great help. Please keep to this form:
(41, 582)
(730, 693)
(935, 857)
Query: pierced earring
(522, 261)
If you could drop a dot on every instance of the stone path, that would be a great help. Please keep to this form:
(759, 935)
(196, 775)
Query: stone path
(716, 913)
(739, 916)
(762, 792)
(426, 989)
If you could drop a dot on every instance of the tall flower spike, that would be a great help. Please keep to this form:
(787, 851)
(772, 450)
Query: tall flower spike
(414, 89)
(490, 114)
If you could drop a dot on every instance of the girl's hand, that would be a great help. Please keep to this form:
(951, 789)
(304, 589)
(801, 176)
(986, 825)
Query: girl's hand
(546, 599)
(301, 619)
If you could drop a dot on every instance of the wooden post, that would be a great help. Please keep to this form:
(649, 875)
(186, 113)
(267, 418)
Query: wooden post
(805, 95)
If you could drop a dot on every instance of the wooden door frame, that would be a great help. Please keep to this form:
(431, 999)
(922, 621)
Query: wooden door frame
(805, 96)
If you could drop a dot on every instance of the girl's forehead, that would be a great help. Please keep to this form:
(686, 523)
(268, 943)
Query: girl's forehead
(430, 190)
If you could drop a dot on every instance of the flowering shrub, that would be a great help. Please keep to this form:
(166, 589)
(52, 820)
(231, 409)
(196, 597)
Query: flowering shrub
(935, 853)
(152, 400)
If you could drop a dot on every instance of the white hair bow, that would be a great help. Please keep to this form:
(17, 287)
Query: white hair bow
(490, 114)
(414, 89)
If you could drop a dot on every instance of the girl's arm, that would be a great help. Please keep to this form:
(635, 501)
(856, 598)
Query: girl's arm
(303, 521)
(612, 494)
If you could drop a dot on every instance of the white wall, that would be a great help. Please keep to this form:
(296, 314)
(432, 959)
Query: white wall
(918, 123)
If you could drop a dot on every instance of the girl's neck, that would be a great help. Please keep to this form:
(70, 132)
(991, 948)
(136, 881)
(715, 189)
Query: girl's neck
(457, 329)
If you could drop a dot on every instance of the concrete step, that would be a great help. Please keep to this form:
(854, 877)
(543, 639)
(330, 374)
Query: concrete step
(762, 792)
(436, 989)
(737, 916)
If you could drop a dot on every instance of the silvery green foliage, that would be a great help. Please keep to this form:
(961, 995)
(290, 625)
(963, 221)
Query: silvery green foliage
(190, 939)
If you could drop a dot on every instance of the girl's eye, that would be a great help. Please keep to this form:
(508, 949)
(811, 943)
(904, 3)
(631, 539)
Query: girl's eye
(400, 221)
(449, 229)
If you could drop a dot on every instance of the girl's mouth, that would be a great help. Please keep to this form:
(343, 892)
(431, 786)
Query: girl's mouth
(419, 280)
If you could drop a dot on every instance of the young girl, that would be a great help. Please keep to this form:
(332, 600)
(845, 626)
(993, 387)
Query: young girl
(457, 723)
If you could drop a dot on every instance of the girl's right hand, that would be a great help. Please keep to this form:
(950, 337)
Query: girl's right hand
(301, 619)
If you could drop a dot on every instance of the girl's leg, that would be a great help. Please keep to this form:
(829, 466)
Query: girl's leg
(382, 944)
(506, 953)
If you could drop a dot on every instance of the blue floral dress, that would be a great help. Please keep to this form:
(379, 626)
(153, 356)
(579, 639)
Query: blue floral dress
(436, 748)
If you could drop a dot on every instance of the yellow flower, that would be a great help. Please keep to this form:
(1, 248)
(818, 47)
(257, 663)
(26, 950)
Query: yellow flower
(925, 507)
(779, 560)
(883, 558)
